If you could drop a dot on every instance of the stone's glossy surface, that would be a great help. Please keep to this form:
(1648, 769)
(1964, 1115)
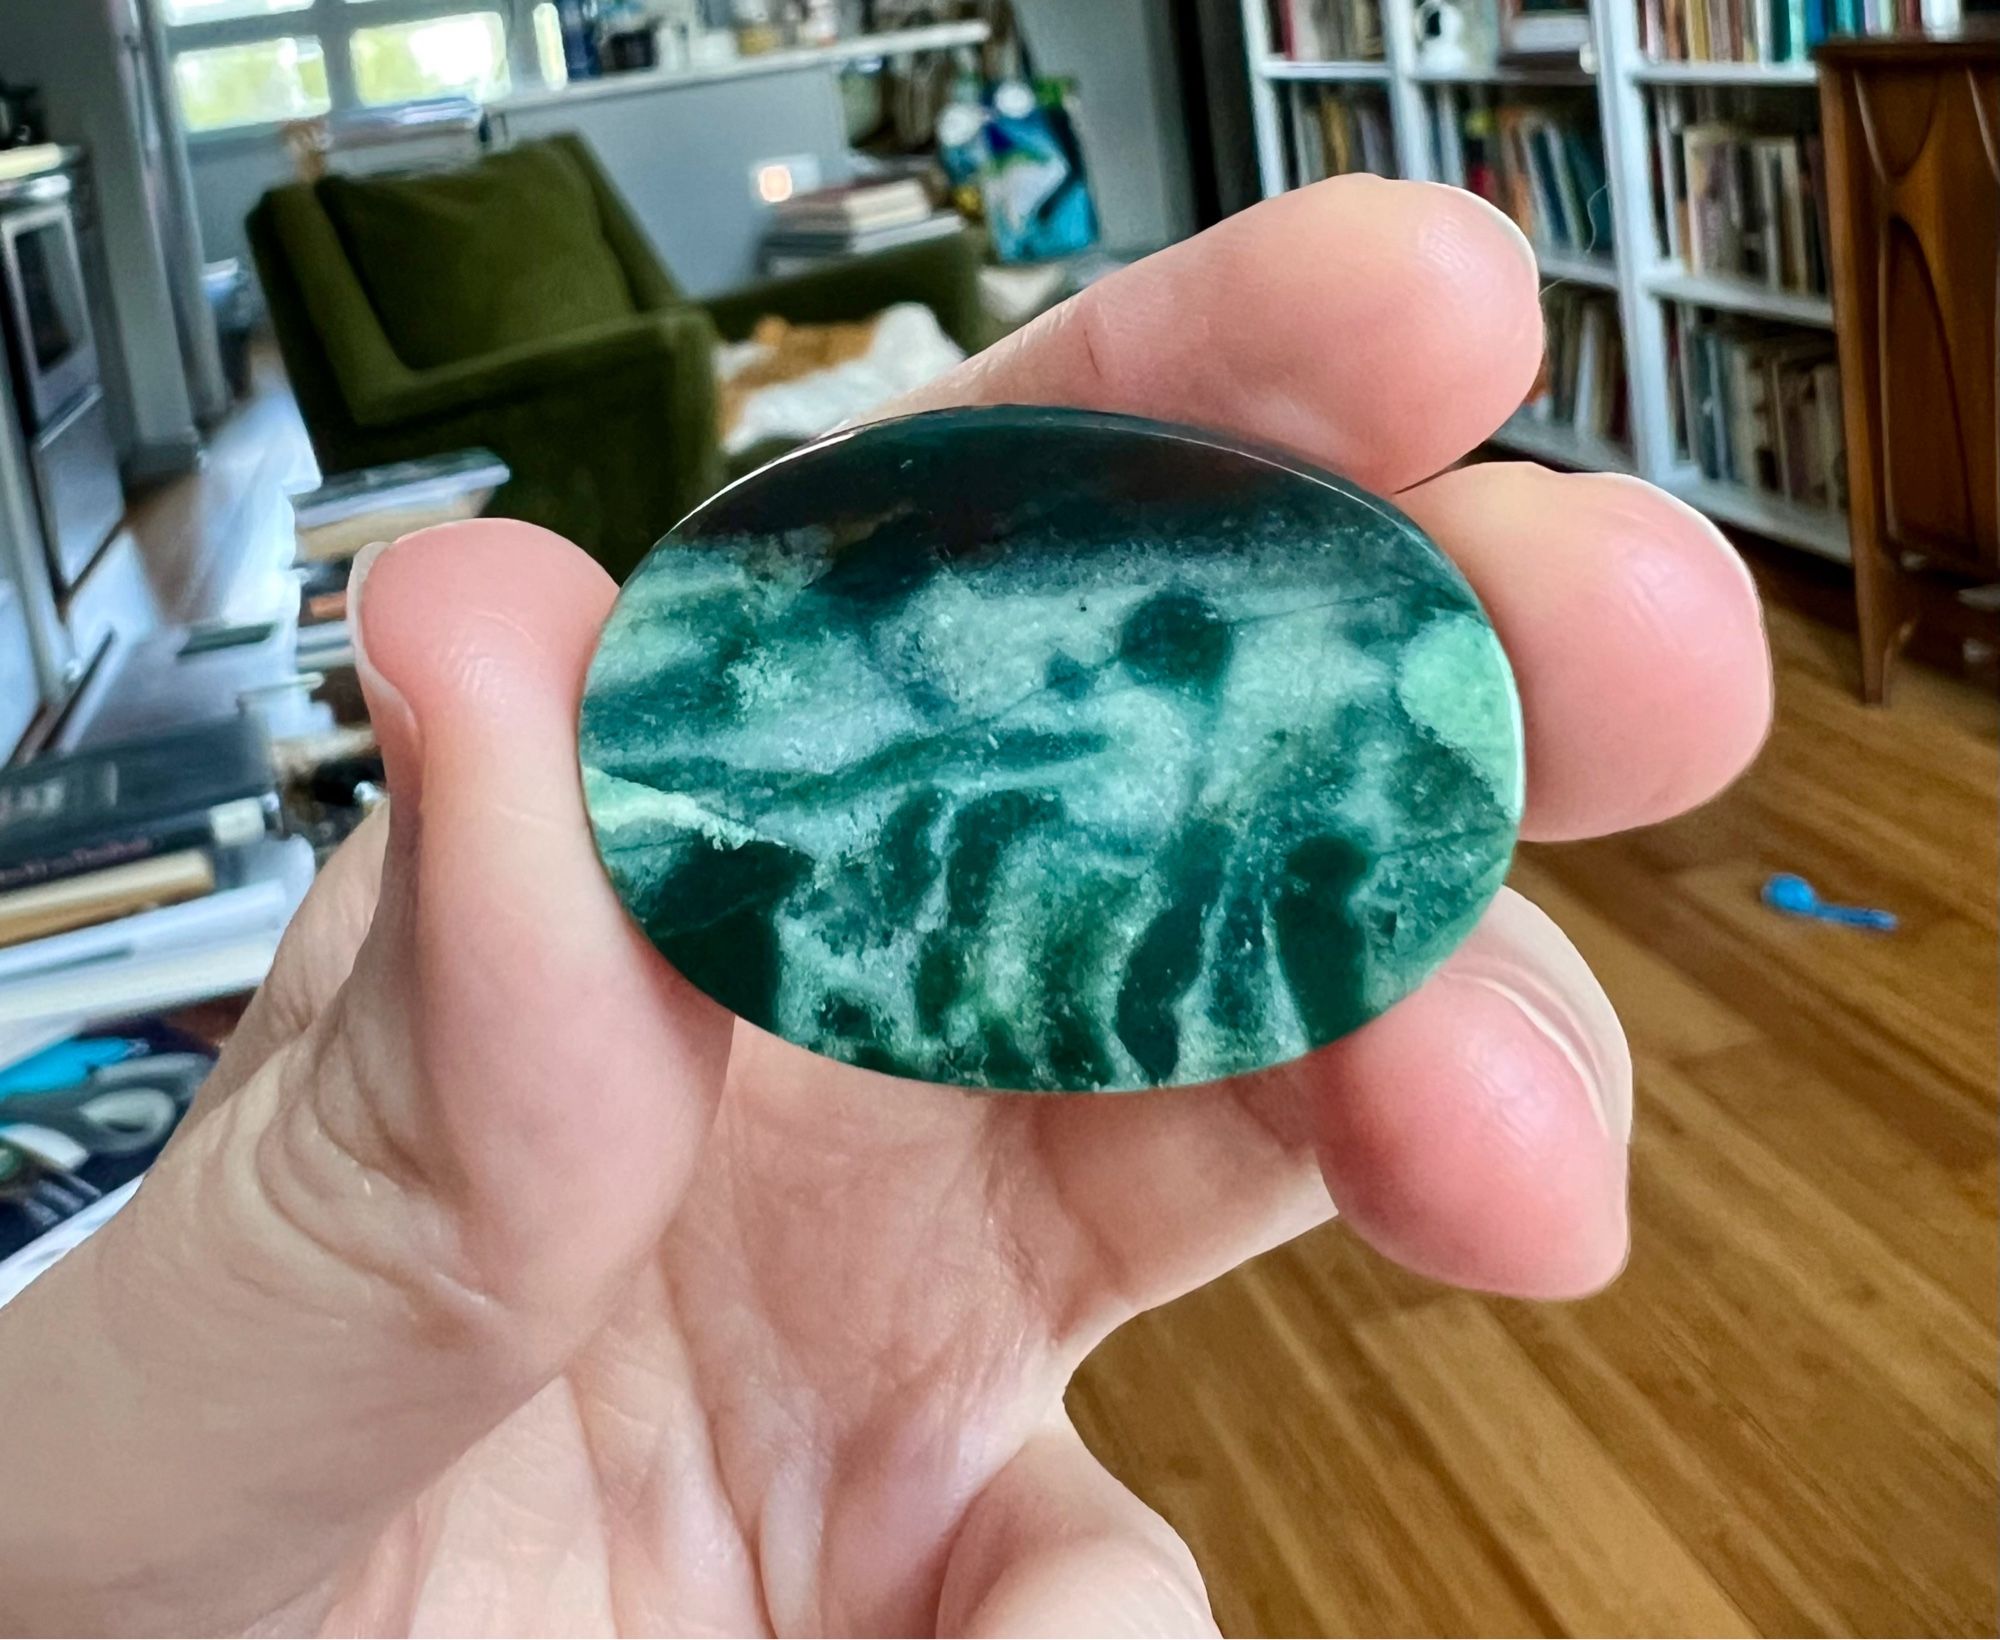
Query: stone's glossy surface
(1039, 749)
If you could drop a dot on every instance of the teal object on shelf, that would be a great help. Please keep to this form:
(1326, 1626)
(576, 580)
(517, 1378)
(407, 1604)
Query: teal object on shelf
(65, 1064)
(1046, 750)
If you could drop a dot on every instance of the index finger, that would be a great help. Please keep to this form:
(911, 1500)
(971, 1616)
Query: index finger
(1381, 329)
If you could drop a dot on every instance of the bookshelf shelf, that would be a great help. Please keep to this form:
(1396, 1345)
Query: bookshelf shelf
(1639, 297)
(1357, 73)
(1502, 75)
(1563, 446)
(1813, 528)
(1578, 268)
(1676, 284)
(1647, 72)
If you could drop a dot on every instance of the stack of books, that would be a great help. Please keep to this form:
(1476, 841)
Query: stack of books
(1582, 384)
(1327, 31)
(1334, 134)
(351, 510)
(1759, 405)
(1779, 31)
(140, 875)
(854, 219)
(1543, 166)
(1750, 206)
(354, 510)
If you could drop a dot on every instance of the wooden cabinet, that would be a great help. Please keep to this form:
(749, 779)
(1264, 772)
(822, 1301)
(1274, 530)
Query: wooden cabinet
(1912, 129)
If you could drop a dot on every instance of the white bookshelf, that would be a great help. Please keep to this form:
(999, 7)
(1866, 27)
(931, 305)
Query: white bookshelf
(1563, 446)
(1283, 69)
(1673, 283)
(1640, 270)
(1579, 269)
(1651, 73)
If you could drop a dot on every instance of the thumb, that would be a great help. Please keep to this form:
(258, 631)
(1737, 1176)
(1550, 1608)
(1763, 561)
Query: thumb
(506, 1019)
(411, 1215)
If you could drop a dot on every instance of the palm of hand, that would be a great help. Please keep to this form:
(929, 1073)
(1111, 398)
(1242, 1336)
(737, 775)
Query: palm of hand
(848, 1348)
(500, 1283)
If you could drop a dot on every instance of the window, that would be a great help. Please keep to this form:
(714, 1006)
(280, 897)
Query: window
(219, 11)
(463, 56)
(551, 57)
(261, 80)
(247, 63)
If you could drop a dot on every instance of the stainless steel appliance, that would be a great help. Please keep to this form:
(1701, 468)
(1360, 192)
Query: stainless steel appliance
(105, 82)
(58, 384)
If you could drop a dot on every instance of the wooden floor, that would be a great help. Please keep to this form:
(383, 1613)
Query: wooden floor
(1782, 1419)
(206, 538)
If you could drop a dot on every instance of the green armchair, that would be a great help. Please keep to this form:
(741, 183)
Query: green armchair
(516, 304)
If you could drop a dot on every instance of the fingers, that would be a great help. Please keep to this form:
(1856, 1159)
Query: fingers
(1380, 329)
(1477, 1132)
(413, 1211)
(1406, 330)
(1634, 631)
(1055, 1545)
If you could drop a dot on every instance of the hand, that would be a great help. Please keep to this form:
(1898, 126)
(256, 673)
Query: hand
(501, 1283)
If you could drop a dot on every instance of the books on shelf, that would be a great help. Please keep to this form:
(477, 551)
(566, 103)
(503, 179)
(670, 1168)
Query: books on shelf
(1758, 405)
(1543, 28)
(205, 787)
(853, 219)
(1327, 31)
(1543, 166)
(1749, 205)
(1778, 31)
(102, 896)
(216, 945)
(1338, 130)
(789, 250)
(852, 207)
(142, 875)
(351, 510)
(1582, 382)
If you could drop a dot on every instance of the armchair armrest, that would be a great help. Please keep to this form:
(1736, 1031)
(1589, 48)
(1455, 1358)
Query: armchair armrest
(680, 342)
(943, 274)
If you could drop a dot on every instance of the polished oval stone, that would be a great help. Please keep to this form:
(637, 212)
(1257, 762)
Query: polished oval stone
(1048, 750)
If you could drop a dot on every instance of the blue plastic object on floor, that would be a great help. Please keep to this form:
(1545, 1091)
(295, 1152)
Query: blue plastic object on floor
(1798, 898)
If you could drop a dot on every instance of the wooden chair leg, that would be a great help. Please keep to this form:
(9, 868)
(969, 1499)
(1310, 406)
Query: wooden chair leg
(1882, 612)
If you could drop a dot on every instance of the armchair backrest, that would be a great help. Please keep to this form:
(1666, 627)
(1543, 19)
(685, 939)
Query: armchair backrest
(331, 329)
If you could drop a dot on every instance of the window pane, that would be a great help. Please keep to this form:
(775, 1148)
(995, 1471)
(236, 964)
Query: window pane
(249, 84)
(549, 52)
(215, 11)
(436, 57)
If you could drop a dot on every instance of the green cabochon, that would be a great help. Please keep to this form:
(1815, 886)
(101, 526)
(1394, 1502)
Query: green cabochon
(1047, 750)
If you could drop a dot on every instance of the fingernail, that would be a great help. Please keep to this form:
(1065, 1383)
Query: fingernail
(1522, 956)
(386, 705)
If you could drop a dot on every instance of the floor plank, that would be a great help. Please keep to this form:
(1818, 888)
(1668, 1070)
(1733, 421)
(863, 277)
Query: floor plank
(1604, 1559)
(1782, 1419)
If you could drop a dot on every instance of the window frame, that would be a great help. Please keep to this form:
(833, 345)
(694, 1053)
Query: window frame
(334, 23)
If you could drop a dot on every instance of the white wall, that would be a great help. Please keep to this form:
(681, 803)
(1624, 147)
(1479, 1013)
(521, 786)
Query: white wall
(230, 176)
(1120, 53)
(683, 155)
